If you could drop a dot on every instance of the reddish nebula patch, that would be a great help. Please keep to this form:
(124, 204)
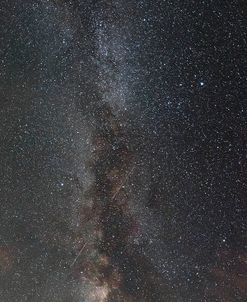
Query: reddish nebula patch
(230, 276)
(6, 258)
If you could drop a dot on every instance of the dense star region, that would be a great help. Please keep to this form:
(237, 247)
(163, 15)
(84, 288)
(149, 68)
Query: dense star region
(123, 151)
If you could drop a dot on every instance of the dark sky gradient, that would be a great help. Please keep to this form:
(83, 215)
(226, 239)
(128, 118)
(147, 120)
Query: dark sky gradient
(123, 151)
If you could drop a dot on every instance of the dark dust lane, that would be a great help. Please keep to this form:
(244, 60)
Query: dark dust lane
(123, 157)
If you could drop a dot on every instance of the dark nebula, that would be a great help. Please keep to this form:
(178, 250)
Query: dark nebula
(123, 151)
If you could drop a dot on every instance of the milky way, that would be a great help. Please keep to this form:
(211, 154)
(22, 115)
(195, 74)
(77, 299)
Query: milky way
(123, 151)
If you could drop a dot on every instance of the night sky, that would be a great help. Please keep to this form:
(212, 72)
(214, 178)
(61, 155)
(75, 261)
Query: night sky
(123, 156)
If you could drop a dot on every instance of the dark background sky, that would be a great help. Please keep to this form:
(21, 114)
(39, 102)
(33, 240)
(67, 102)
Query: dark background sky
(174, 73)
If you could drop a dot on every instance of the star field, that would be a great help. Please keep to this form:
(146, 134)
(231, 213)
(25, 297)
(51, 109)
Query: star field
(123, 151)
